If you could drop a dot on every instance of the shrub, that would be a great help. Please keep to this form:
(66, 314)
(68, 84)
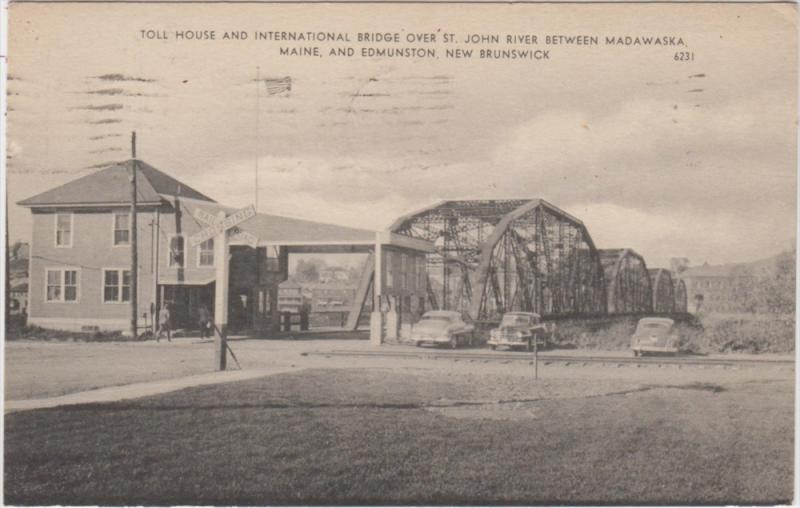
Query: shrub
(595, 333)
(710, 334)
(18, 330)
(775, 334)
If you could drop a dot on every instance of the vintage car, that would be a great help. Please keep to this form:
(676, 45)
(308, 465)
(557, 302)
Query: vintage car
(442, 327)
(518, 330)
(655, 335)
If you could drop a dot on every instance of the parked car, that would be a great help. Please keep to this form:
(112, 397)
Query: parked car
(443, 327)
(518, 330)
(655, 335)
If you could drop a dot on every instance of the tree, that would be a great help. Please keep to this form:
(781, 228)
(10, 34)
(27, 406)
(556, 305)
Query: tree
(307, 271)
(678, 265)
(15, 249)
(747, 290)
(780, 286)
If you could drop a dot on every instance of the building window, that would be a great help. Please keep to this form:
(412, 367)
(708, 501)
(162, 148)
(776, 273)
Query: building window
(63, 230)
(271, 261)
(403, 271)
(389, 271)
(62, 286)
(176, 251)
(412, 273)
(205, 254)
(122, 228)
(116, 286)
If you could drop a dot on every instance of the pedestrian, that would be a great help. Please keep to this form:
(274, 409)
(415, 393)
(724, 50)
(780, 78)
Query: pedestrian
(163, 323)
(204, 318)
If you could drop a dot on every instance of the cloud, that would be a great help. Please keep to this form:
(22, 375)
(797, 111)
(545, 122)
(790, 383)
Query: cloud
(365, 191)
(661, 235)
(654, 154)
(655, 175)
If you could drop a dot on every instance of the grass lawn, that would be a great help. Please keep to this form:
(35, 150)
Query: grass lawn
(371, 436)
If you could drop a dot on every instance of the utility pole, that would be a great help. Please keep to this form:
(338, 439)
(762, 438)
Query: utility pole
(256, 313)
(7, 274)
(221, 297)
(134, 243)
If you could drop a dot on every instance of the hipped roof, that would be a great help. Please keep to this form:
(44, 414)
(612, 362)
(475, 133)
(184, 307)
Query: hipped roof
(111, 186)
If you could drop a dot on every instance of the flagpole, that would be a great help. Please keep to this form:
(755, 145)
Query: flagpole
(134, 244)
(258, 119)
(256, 298)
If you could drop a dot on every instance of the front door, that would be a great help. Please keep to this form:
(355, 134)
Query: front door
(184, 303)
(240, 309)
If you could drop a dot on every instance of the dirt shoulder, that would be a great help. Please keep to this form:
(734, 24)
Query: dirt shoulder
(49, 369)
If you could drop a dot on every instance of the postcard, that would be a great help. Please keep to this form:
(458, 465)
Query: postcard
(400, 253)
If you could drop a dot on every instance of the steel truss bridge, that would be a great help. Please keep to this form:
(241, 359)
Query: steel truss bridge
(627, 282)
(495, 256)
(681, 299)
(663, 290)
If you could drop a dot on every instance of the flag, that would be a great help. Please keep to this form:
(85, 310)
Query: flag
(278, 85)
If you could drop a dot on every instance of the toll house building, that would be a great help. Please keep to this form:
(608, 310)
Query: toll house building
(80, 257)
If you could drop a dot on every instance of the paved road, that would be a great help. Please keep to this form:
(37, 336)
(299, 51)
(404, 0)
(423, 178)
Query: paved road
(51, 371)
(136, 390)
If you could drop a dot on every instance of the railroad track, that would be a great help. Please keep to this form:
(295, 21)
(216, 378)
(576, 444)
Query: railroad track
(546, 359)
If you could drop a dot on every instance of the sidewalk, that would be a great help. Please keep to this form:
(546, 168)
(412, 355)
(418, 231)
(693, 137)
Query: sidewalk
(137, 390)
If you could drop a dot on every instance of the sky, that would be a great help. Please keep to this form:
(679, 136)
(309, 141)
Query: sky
(691, 159)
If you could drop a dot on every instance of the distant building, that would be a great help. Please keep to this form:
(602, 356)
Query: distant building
(18, 262)
(18, 268)
(333, 274)
(724, 288)
(290, 297)
(331, 297)
(321, 297)
(18, 298)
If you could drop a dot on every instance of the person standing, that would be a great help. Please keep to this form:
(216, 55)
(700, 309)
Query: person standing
(204, 318)
(163, 323)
